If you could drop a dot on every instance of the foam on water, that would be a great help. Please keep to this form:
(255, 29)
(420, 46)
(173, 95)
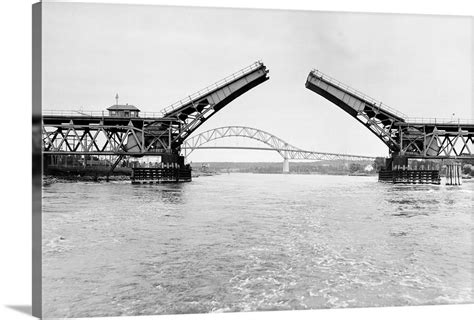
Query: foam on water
(244, 242)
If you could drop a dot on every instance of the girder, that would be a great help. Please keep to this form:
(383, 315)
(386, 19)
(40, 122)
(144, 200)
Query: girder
(96, 137)
(96, 133)
(195, 109)
(286, 150)
(404, 136)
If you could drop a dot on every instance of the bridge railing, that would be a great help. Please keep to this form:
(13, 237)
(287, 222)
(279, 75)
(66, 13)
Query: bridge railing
(212, 87)
(439, 120)
(357, 93)
(89, 113)
(74, 113)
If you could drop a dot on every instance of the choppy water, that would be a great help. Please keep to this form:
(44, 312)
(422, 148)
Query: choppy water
(244, 242)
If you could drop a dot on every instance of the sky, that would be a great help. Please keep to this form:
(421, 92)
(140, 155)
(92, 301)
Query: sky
(153, 56)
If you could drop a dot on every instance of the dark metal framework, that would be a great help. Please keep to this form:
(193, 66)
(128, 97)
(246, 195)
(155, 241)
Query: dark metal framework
(95, 133)
(409, 137)
(81, 135)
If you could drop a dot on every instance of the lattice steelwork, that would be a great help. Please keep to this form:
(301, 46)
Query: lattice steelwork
(409, 137)
(188, 114)
(101, 136)
(96, 133)
(286, 150)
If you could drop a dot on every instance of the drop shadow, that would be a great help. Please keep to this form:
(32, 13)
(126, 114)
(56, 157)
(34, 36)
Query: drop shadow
(25, 309)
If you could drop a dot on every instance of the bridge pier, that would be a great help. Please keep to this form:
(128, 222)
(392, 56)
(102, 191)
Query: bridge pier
(286, 166)
(453, 174)
(396, 170)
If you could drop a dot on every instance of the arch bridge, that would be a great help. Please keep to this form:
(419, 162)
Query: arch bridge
(272, 142)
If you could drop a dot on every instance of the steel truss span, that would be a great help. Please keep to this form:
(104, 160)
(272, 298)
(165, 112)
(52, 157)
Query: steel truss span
(99, 136)
(163, 133)
(286, 150)
(404, 136)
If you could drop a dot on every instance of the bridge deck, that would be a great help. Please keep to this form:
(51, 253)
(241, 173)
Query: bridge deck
(451, 126)
(53, 120)
(192, 101)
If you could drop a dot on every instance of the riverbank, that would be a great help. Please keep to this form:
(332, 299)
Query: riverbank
(50, 179)
(196, 174)
(89, 174)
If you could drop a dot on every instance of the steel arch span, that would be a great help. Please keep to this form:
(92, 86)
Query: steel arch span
(286, 150)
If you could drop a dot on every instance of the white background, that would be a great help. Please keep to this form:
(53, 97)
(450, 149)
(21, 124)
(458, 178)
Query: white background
(15, 160)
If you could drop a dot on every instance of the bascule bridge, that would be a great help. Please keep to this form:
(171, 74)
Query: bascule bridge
(427, 138)
(405, 137)
(123, 130)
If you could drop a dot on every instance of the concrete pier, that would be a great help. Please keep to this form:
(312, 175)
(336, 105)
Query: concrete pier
(286, 166)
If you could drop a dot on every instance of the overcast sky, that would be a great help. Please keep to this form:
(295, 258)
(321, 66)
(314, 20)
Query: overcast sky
(153, 56)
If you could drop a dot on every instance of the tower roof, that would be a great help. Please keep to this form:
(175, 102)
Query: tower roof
(120, 107)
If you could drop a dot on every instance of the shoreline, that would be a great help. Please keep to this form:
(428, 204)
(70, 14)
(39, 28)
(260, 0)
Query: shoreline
(50, 179)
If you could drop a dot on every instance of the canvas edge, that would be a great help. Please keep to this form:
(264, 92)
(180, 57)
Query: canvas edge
(36, 87)
(36, 135)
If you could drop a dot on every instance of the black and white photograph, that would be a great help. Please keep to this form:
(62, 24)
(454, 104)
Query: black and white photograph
(194, 160)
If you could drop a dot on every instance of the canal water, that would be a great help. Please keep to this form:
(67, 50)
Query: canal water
(246, 242)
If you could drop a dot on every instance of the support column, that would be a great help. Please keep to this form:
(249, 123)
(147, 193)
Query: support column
(169, 137)
(453, 174)
(286, 162)
(286, 165)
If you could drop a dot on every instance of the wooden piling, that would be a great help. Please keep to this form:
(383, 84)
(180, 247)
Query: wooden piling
(453, 174)
(160, 175)
(410, 176)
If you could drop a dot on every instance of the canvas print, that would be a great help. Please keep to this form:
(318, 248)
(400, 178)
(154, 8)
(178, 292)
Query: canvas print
(200, 160)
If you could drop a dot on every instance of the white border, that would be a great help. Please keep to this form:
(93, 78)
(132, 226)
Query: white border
(455, 7)
(15, 95)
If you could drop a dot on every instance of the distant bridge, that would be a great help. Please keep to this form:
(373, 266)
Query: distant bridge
(405, 137)
(286, 150)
